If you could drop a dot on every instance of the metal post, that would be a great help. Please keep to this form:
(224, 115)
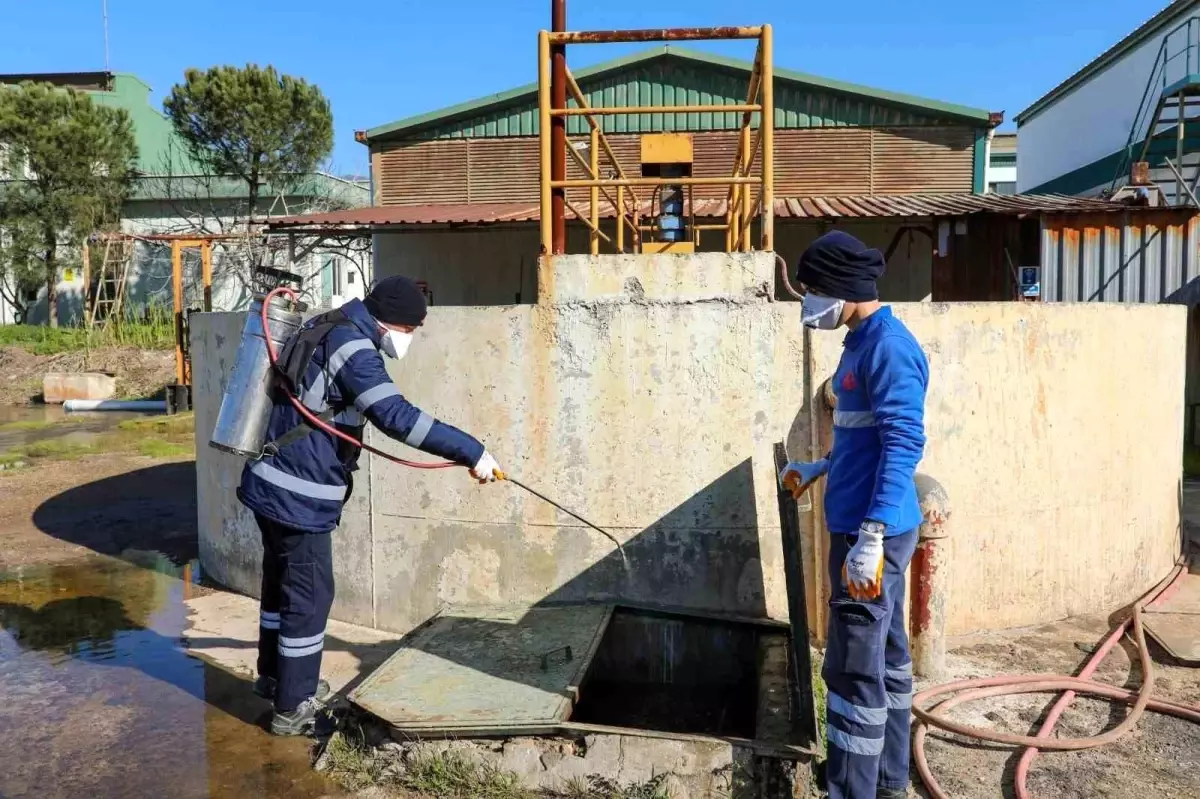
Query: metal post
(206, 269)
(544, 137)
(558, 129)
(767, 127)
(747, 210)
(594, 153)
(930, 580)
(1179, 129)
(177, 295)
(620, 219)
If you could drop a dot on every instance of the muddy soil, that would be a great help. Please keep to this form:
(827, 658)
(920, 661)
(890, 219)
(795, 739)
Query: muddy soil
(1161, 758)
(140, 373)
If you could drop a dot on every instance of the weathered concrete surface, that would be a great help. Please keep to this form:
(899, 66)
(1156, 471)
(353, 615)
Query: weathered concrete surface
(58, 387)
(1056, 430)
(223, 629)
(655, 419)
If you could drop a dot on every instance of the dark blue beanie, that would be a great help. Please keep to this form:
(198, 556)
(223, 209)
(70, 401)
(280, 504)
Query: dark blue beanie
(840, 266)
(396, 300)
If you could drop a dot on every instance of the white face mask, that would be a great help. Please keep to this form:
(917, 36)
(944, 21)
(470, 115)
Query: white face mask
(823, 313)
(395, 343)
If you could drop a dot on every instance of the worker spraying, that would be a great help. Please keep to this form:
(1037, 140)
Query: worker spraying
(301, 481)
(872, 514)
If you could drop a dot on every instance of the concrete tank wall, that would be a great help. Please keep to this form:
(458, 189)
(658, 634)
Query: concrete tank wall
(646, 393)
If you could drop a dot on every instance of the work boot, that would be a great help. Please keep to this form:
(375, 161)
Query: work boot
(310, 718)
(265, 687)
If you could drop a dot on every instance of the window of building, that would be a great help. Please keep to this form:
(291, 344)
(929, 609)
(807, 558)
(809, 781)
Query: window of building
(1003, 187)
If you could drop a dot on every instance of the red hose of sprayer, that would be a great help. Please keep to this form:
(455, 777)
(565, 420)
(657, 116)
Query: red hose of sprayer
(312, 418)
(970, 690)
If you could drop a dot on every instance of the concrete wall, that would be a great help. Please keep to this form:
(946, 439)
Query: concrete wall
(646, 394)
(1057, 432)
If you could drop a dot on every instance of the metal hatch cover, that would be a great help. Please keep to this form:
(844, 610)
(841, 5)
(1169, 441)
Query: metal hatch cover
(487, 668)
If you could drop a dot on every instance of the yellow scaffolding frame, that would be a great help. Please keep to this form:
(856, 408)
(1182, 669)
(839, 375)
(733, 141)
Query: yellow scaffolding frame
(741, 205)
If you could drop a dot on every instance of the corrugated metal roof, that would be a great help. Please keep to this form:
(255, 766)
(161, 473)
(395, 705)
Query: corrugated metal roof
(670, 75)
(816, 207)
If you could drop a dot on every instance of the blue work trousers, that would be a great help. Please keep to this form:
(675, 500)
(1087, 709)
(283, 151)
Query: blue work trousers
(868, 677)
(297, 594)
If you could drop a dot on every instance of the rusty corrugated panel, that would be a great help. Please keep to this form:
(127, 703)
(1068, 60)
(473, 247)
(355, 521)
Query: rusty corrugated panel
(823, 161)
(715, 153)
(922, 160)
(502, 170)
(432, 172)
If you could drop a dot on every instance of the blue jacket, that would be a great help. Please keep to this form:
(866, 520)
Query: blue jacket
(308, 482)
(878, 428)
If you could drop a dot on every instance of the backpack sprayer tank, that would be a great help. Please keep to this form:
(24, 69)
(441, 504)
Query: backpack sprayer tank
(246, 407)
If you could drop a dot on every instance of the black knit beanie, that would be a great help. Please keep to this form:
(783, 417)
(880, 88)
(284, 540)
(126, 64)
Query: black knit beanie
(396, 300)
(840, 266)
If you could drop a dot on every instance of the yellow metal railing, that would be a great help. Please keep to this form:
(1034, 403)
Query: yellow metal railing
(556, 81)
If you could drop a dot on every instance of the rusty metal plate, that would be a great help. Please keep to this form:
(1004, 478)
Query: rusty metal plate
(487, 667)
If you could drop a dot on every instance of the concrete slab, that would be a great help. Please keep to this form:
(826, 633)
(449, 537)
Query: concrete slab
(223, 629)
(58, 387)
(1175, 621)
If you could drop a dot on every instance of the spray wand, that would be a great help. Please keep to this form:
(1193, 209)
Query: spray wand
(315, 421)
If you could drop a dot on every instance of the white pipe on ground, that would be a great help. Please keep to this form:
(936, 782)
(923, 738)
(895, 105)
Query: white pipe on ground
(147, 406)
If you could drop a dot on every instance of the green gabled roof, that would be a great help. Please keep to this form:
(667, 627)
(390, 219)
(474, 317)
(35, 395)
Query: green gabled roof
(801, 100)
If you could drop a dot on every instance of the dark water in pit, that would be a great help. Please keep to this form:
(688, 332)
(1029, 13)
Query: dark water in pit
(99, 698)
(28, 424)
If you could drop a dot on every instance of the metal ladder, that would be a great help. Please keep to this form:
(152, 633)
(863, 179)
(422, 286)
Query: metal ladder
(1166, 128)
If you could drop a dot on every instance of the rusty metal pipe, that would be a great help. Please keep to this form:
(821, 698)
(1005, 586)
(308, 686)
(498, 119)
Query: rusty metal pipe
(652, 34)
(681, 181)
(930, 580)
(558, 128)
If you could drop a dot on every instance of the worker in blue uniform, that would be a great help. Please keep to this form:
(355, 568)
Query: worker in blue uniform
(872, 514)
(298, 491)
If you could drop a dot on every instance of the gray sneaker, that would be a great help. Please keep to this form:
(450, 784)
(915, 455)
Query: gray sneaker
(310, 718)
(265, 687)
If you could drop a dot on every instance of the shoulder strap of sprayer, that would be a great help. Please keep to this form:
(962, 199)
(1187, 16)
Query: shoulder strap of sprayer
(290, 367)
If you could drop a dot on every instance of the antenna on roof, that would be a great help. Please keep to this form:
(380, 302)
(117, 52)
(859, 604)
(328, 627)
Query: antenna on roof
(104, 5)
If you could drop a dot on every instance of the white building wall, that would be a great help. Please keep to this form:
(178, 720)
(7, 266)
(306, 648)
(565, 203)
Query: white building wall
(1093, 121)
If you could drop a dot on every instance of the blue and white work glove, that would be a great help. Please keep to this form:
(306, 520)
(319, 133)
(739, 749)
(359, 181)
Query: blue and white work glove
(797, 476)
(863, 570)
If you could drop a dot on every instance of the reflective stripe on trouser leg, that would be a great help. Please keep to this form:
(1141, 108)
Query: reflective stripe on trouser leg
(897, 674)
(856, 703)
(306, 597)
(268, 613)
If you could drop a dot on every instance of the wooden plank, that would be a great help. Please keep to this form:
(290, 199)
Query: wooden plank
(804, 711)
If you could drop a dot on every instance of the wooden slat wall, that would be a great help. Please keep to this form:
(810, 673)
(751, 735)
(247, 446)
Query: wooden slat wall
(934, 160)
(811, 161)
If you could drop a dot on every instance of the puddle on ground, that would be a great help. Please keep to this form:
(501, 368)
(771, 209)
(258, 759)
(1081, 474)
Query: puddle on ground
(21, 425)
(98, 696)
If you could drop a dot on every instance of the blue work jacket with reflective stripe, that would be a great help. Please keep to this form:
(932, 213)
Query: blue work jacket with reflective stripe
(308, 482)
(878, 428)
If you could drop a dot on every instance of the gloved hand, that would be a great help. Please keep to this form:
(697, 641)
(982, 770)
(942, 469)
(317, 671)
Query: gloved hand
(863, 570)
(486, 470)
(798, 476)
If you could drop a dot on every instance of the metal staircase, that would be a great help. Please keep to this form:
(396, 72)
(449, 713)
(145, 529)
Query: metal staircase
(1166, 129)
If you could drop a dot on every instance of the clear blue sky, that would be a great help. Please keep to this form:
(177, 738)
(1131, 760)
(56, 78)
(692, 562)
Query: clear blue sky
(381, 61)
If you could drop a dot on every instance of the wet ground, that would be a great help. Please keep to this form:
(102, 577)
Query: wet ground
(100, 697)
(27, 424)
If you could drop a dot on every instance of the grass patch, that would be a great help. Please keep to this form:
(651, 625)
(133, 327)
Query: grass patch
(57, 449)
(158, 448)
(1191, 461)
(454, 777)
(28, 424)
(150, 329)
(179, 424)
(600, 788)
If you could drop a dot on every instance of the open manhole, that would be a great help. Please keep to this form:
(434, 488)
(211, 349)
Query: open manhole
(571, 668)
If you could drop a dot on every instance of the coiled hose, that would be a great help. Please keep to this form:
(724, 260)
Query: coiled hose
(970, 690)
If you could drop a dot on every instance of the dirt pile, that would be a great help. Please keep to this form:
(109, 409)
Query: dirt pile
(140, 373)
